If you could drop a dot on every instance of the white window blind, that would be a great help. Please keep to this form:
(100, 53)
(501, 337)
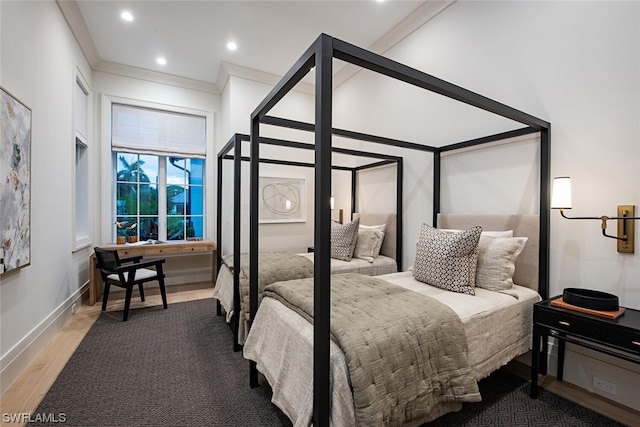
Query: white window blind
(162, 133)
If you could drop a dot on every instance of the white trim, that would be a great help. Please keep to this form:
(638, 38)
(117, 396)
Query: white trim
(81, 242)
(228, 69)
(18, 358)
(107, 177)
(156, 77)
(73, 16)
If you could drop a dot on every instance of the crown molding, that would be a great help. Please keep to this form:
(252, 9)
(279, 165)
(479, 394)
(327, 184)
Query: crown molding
(419, 17)
(72, 15)
(228, 69)
(155, 76)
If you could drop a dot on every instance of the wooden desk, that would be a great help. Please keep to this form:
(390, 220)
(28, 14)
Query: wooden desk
(179, 247)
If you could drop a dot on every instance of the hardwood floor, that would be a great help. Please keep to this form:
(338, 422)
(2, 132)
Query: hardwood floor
(26, 393)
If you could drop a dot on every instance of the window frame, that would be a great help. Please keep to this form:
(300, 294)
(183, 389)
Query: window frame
(108, 193)
(79, 242)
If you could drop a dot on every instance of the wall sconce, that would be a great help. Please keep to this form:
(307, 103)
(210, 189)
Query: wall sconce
(561, 199)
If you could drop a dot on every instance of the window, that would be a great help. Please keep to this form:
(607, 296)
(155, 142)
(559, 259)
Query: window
(159, 173)
(81, 217)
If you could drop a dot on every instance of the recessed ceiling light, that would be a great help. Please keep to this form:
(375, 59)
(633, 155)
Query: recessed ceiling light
(232, 46)
(161, 61)
(127, 16)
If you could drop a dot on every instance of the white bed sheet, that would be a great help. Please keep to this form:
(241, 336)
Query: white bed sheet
(497, 328)
(223, 290)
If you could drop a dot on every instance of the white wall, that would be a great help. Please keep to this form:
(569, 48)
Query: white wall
(39, 59)
(574, 64)
(244, 96)
(555, 66)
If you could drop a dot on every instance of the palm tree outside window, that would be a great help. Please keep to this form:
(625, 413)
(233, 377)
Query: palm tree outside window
(162, 195)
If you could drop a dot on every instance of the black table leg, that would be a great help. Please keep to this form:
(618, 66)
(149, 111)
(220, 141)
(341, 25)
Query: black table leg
(561, 346)
(535, 361)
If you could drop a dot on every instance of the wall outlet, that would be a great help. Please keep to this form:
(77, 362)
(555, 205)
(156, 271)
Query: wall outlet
(74, 307)
(604, 385)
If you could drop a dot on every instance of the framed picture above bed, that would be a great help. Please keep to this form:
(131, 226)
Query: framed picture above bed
(282, 200)
(15, 183)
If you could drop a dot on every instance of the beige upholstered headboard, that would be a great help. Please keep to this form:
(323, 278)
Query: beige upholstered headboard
(390, 234)
(526, 273)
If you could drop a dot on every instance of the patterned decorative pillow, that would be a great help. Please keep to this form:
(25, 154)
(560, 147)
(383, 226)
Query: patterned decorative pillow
(447, 260)
(368, 241)
(496, 261)
(343, 239)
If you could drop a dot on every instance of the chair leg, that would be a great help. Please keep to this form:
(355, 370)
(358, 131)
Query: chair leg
(127, 302)
(105, 296)
(163, 292)
(141, 289)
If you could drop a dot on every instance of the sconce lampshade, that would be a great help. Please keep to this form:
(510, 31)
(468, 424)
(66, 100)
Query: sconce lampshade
(561, 193)
(333, 201)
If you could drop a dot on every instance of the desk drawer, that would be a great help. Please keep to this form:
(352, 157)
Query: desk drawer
(193, 249)
(623, 338)
(565, 322)
(148, 250)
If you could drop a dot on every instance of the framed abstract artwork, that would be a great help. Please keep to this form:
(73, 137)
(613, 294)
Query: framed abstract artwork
(282, 200)
(15, 183)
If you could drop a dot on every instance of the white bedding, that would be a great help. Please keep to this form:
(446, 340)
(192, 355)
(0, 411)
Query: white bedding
(223, 290)
(497, 327)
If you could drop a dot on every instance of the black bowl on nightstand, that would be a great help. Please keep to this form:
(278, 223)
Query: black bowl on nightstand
(593, 300)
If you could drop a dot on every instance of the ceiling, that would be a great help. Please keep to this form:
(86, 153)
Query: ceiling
(271, 35)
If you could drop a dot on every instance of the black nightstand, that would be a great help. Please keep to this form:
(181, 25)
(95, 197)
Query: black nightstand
(619, 337)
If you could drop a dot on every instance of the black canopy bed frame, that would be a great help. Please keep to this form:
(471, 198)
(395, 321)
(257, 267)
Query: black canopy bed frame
(320, 55)
(233, 151)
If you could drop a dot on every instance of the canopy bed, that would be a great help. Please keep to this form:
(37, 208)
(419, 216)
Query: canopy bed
(231, 287)
(307, 300)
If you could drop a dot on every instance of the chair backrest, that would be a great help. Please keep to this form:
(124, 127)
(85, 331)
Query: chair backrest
(108, 260)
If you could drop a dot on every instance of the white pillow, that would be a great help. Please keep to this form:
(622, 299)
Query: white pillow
(381, 227)
(368, 241)
(496, 261)
(505, 233)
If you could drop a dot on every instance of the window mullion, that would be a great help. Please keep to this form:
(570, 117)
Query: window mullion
(162, 198)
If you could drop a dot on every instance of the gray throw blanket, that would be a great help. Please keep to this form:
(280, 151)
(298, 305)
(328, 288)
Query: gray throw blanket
(406, 352)
(272, 267)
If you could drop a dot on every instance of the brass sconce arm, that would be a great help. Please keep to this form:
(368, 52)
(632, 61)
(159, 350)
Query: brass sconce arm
(624, 237)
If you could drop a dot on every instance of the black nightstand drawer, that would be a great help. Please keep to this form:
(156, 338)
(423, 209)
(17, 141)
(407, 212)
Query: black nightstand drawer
(564, 322)
(629, 340)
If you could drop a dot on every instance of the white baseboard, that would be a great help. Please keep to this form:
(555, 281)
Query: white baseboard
(581, 365)
(16, 360)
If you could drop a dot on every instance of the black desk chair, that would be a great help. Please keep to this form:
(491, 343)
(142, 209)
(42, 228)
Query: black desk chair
(126, 273)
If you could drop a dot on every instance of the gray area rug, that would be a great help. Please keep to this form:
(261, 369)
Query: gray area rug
(176, 367)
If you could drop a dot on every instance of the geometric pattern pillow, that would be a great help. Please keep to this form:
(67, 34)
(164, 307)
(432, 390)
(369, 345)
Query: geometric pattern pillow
(343, 239)
(496, 261)
(447, 260)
